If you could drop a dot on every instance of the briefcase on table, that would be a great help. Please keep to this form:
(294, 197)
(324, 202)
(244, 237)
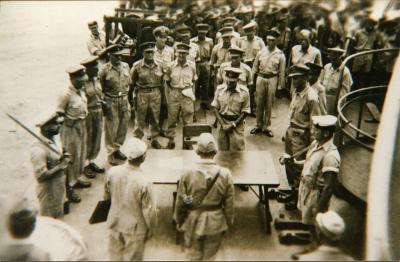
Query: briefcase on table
(100, 213)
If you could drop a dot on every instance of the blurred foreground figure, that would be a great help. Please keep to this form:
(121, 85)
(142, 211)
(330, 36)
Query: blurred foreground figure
(133, 214)
(204, 203)
(330, 229)
(36, 238)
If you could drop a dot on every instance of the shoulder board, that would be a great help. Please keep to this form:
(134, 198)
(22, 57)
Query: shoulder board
(137, 63)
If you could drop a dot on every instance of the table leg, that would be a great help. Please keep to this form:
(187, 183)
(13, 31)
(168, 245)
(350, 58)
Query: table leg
(268, 216)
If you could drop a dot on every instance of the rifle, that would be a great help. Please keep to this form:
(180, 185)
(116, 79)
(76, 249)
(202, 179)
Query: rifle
(43, 142)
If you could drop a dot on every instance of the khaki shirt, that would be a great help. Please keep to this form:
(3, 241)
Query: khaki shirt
(115, 80)
(267, 62)
(181, 76)
(96, 44)
(93, 92)
(329, 78)
(312, 55)
(219, 55)
(232, 103)
(234, 41)
(194, 52)
(320, 90)
(245, 78)
(146, 76)
(205, 48)
(164, 57)
(193, 183)
(251, 48)
(304, 105)
(73, 103)
(133, 206)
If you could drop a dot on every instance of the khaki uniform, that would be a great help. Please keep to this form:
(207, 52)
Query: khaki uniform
(319, 160)
(245, 78)
(203, 228)
(312, 55)
(270, 67)
(219, 55)
(164, 57)
(203, 66)
(94, 119)
(115, 84)
(73, 131)
(132, 214)
(329, 78)
(299, 134)
(234, 41)
(230, 106)
(194, 52)
(180, 79)
(363, 41)
(251, 48)
(50, 192)
(325, 253)
(320, 90)
(147, 82)
(96, 44)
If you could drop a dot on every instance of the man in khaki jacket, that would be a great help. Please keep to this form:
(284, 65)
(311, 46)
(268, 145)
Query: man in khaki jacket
(206, 221)
(132, 214)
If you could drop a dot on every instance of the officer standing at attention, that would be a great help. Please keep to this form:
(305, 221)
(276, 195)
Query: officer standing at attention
(205, 45)
(246, 77)
(207, 189)
(73, 106)
(94, 120)
(231, 106)
(147, 85)
(320, 170)
(96, 42)
(269, 65)
(300, 133)
(330, 229)
(313, 79)
(163, 54)
(115, 80)
(133, 212)
(180, 81)
(49, 168)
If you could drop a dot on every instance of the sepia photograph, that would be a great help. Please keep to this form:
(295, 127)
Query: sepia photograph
(216, 130)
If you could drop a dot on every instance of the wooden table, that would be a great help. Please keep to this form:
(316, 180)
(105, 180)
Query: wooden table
(252, 168)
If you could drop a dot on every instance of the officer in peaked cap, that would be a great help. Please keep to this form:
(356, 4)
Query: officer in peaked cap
(236, 54)
(94, 119)
(300, 133)
(313, 79)
(231, 106)
(146, 87)
(163, 53)
(73, 105)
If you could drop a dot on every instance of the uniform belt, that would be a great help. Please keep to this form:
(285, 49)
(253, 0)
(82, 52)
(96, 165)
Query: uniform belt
(266, 75)
(148, 89)
(229, 117)
(115, 96)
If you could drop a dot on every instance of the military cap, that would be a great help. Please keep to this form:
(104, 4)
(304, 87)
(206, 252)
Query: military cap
(161, 30)
(206, 143)
(336, 51)
(76, 71)
(147, 46)
(232, 73)
(228, 20)
(202, 28)
(90, 61)
(236, 51)
(325, 121)
(250, 26)
(273, 34)
(314, 67)
(109, 49)
(182, 29)
(298, 70)
(135, 148)
(273, 11)
(92, 23)
(331, 224)
(182, 47)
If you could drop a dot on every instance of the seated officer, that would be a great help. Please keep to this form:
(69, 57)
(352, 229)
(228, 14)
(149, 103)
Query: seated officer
(231, 106)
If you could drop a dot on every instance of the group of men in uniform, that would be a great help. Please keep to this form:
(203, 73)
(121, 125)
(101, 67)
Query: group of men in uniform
(235, 75)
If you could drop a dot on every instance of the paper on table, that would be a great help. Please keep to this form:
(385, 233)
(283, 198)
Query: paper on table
(171, 163)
